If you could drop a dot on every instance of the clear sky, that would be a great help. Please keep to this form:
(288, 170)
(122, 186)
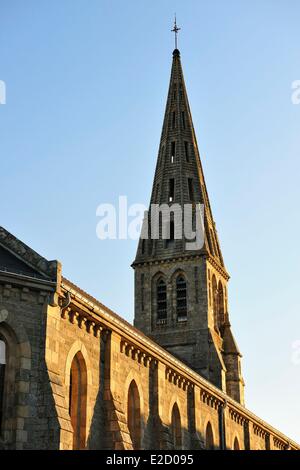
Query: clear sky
(86, 85)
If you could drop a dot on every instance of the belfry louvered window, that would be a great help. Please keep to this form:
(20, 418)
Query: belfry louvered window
(181, 298)
(161, 299)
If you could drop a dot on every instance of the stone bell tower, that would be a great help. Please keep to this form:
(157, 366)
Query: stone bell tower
(180, 294)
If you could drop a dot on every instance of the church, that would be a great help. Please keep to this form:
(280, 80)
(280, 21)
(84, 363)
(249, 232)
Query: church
(75, 375)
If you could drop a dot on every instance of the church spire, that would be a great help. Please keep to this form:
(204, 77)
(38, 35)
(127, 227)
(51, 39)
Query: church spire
(179, 176)
(181, 294)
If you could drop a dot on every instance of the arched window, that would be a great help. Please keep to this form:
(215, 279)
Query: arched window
(3, 360)
(236, 445)
(78, 400)
(134, 415)
(161, 299)
(209, 437)
(9, 368)
(220, 305)
(181, 298)
(176, 427)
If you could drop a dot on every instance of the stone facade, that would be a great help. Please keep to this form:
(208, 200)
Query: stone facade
(75, 375)
(47, 321)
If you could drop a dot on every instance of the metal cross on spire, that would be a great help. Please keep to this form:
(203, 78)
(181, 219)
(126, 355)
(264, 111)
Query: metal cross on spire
(175, 30)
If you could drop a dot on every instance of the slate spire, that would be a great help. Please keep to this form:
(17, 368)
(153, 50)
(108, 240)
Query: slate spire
(181, 294)
(179, 171)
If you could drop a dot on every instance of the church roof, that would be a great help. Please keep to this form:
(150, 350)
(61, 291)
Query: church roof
(16, 257)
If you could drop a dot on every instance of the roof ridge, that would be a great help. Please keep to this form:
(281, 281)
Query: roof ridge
(26, 254)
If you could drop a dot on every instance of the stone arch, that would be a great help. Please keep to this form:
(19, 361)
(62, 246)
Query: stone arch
(18, 330)
(209, 437)
(9, 386)
(84, 361)
(159, 298)
(17, 357)
(157, 275)
(78, 400)
(177, 272)
(133, 377)
(177, 400)
(76, 347)
(236, 444)
(134, 415)
(176, 428)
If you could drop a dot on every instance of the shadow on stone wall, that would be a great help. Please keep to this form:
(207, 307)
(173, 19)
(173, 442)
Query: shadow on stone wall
(109, 429)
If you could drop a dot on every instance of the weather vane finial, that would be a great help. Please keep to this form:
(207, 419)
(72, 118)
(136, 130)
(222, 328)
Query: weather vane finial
(175, 30)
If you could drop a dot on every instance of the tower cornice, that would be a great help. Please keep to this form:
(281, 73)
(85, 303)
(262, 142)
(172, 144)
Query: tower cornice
(172, 259)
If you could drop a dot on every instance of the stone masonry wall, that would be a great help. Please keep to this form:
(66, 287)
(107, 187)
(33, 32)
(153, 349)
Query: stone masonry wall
(48, 337)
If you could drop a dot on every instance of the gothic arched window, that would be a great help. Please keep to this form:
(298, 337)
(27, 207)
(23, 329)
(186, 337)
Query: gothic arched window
(209, 437)
(3, 361)
(181, 298)
(161, 299)
(78, 400)
(176, 427)
(9, 368)
(236, 445)
(134, 415)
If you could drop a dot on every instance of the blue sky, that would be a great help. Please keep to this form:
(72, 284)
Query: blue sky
(86, 89)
